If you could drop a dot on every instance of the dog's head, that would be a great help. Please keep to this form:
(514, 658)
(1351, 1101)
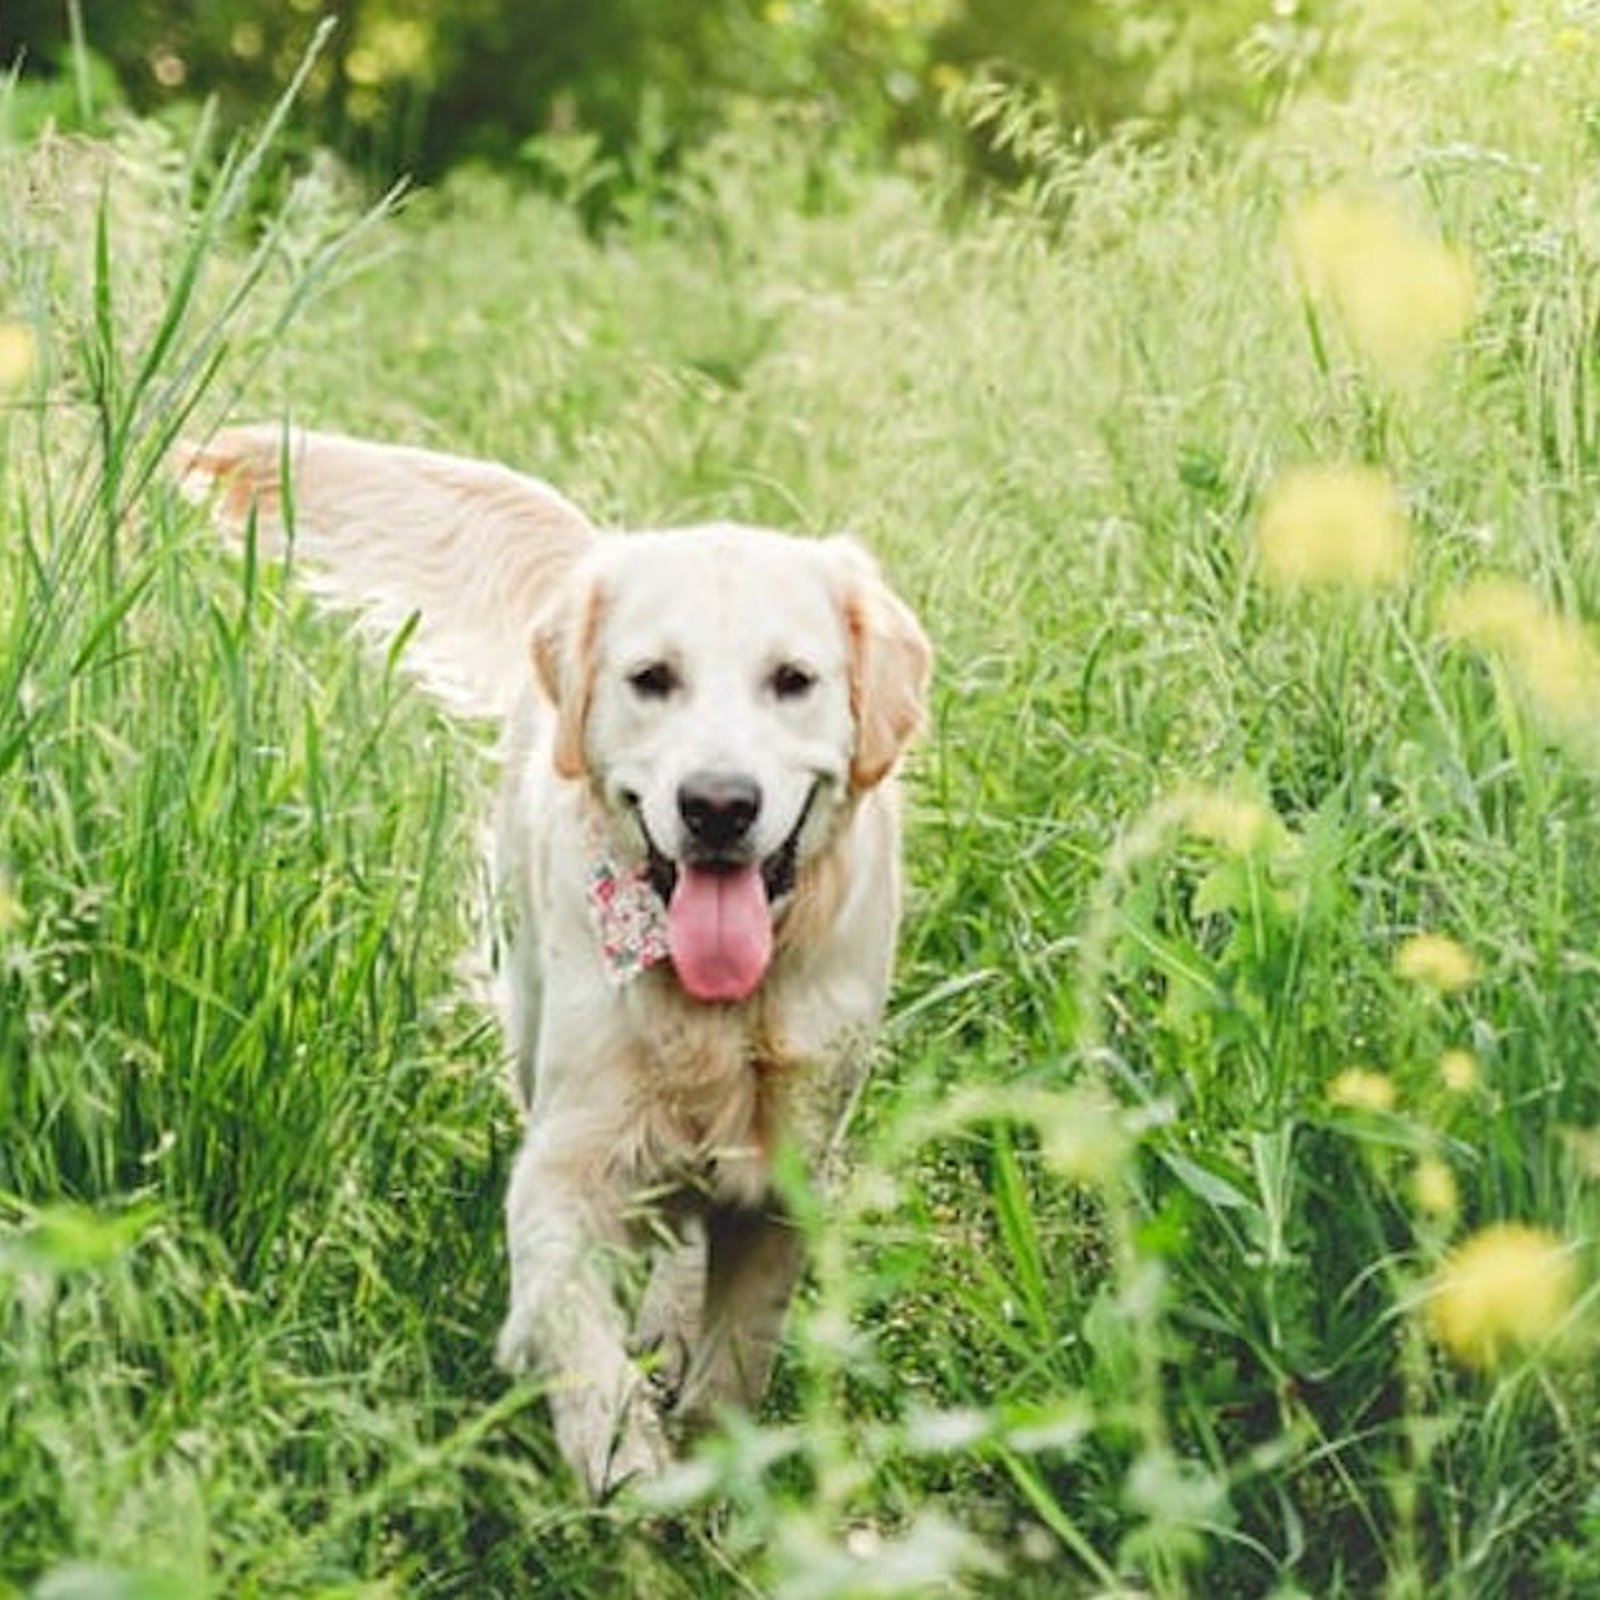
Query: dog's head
(727, 694)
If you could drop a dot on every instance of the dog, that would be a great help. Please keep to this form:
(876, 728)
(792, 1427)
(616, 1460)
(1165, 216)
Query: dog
(696, 853)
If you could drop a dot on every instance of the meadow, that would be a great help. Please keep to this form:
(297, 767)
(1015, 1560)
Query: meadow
(1221, 1218)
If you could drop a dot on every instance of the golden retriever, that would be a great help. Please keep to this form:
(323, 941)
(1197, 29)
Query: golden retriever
(696, 852)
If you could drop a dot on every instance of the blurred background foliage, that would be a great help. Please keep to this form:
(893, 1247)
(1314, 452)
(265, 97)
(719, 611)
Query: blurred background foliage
(601, 96)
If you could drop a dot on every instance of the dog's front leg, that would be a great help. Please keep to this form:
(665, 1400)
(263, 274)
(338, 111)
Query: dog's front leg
(754, 1262)
(668, 1327)
(565, 1323)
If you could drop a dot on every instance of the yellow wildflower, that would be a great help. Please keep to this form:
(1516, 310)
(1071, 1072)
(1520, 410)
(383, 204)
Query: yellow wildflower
(1499, 613)
(1570, 41)
(1458, 1069)
(1401, 293)
(1342, 527)
(1551, 657)
(1561, 671)
(10, 904)
(1359, 1089)
(247, 41)
(1236, 825)
(1437, 962)
(18, 354)
(1433, 1185)
(1508, 1286)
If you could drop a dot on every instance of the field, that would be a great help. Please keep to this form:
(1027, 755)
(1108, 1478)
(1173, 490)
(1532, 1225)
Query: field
(1222, 1215)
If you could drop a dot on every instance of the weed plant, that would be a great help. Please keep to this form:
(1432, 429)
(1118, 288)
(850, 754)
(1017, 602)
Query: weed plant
(1221, 1219)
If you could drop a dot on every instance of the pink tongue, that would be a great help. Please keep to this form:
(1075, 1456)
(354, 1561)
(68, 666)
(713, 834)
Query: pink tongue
(719, 932)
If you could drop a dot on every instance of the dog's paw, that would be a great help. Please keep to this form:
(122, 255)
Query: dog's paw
(608, 1448)
(514, 1347)
(664, 1364)
(640, 1453)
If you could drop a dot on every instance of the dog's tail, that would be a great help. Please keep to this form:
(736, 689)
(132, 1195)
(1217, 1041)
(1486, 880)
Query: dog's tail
(470, 549)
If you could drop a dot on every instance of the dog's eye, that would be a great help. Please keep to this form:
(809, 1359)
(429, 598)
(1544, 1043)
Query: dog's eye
(654, 682)
(790, 682)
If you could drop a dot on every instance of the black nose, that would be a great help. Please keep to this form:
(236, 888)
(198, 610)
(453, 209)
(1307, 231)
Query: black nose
(718, 808)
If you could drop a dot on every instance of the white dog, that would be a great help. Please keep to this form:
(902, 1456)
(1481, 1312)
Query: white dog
(697, 852)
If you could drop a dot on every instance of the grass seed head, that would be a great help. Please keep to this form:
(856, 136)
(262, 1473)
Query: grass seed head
(1087, 1139)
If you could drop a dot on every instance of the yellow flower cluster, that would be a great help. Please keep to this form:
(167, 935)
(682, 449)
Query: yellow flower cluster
(1437, 962)
(1360, 1089)
(18, 355)
(1333, 527)
(1506, 1288)
(1551, 657)
(1400, 293)
(1234, 824)
(1433, 1185)
(1458, 1071)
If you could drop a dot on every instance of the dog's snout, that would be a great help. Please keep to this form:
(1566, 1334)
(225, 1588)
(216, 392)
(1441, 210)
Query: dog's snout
(718, 808)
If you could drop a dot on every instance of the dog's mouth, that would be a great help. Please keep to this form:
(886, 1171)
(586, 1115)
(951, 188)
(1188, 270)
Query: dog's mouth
(778, 870)
(720, 910)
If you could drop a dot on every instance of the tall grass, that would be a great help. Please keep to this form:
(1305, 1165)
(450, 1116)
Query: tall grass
(1128, 1288)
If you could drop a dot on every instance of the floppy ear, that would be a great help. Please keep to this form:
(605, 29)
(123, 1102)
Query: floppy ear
(890, 664)
(563, 646)
(469, 548)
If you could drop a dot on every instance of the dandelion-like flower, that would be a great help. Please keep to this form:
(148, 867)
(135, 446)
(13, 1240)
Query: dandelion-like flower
(1551, 657)
(1336, 527)
(1433, 1185)
(1235, 825)
(1437, 962)
(1499, 613)
(19, 354)
(1360, 1089)
(1400, 292)
(1506, 1288)
(1458, 1071)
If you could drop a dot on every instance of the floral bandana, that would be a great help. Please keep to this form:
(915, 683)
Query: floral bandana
(629, 919)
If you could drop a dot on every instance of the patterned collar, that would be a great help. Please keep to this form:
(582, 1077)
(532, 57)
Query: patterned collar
(629, 919)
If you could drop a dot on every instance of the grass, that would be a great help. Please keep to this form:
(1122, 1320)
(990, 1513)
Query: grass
(1125, 1292)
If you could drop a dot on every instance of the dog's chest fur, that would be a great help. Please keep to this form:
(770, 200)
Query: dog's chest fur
(716, 1090)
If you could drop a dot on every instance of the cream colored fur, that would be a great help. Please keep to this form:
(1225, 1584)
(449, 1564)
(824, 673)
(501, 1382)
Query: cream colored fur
(652, 1118)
